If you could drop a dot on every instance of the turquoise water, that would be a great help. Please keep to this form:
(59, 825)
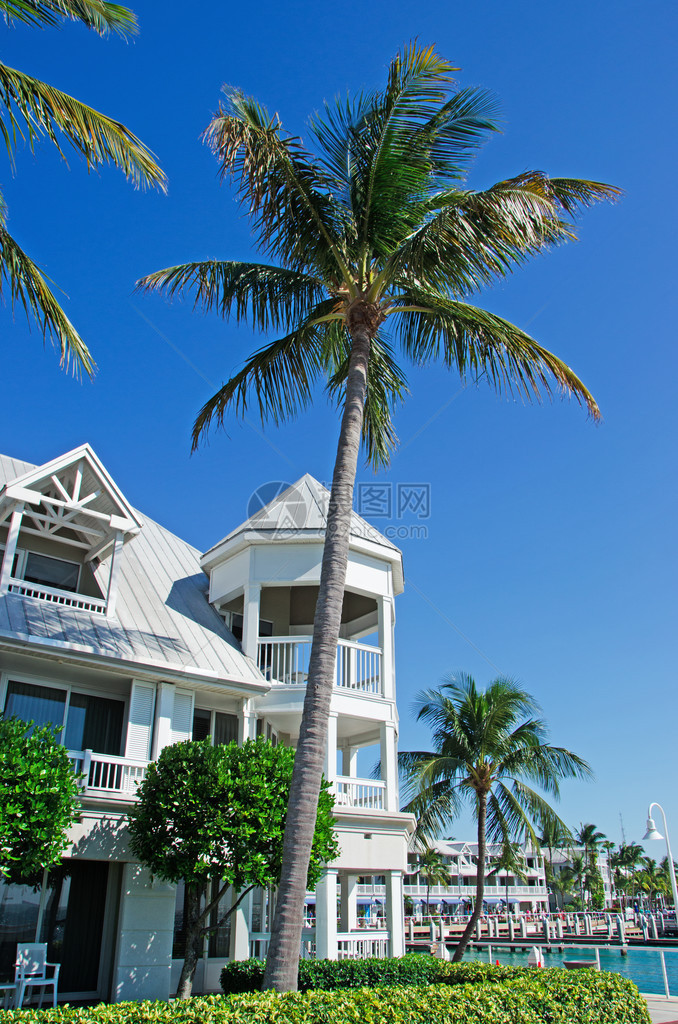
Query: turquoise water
(643, 966)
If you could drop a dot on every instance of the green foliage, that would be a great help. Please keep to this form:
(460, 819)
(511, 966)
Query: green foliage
(328, 975)
(472, 994)
(38, 799)
(219, 811)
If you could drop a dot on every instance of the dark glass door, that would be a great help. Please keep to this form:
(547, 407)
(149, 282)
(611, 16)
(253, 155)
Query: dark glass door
(74, 921)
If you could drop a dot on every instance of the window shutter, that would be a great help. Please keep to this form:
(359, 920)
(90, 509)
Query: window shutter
(140, 722)
(182, 717)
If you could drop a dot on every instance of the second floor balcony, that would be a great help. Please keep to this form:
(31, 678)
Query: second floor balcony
(285, 660)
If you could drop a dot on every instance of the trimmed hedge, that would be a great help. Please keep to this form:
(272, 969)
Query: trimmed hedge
(469, 994)
(328, 975)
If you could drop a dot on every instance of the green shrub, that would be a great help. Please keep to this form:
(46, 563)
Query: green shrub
(516, 996)
(327, 975)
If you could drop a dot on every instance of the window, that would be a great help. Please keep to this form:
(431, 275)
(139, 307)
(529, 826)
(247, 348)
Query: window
(265, 627)
(92, 723)
(51, 572)
(221, 727)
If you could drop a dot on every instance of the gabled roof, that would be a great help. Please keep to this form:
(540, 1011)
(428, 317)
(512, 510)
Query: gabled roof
(73, 497)
(299, 513)
(163, 621)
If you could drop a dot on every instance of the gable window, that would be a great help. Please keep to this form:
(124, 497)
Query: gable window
(51, 572)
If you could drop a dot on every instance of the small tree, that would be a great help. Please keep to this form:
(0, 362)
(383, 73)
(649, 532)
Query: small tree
(434, 871)
(218, 813)
(38, 800)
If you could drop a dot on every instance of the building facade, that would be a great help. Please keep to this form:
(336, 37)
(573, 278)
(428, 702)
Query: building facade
(131, 639)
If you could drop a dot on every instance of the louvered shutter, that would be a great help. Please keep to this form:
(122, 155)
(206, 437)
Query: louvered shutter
(182, 716)
(140, 722)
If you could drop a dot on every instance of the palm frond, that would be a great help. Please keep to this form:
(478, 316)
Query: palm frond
(478, 342)
(279, 378)
(27, 287)
(545, 765)
(99, 15)
(293, 213)
(37, 107)
(267, 297)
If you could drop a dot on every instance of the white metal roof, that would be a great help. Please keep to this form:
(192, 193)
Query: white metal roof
(163, 619)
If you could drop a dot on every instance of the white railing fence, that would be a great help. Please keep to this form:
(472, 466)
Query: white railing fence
(54, 596)
(355, 947)
(285, 659)
(107, 775)
(365, 793)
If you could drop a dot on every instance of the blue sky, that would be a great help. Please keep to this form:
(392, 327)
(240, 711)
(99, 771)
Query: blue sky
(551, 550)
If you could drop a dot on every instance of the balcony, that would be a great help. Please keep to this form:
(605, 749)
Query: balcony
(106, 777)
(450, 891)
(55, 596)
(285, 659)
(359, 794)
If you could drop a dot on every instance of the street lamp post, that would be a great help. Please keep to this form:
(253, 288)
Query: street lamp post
(652, 833)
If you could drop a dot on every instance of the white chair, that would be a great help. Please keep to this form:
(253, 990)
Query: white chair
(31, 970)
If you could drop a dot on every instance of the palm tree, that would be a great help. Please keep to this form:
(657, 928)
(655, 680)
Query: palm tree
(434, 871)
(589, 837)
(31, 109)
(651, 880)
(374, 242)
(487, 747)
(512, 862)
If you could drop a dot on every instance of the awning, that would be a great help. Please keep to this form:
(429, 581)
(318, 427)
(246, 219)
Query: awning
(364, 900)
(309, 899)
(492, 899)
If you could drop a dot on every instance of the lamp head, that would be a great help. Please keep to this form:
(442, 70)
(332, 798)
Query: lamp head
(652, 832)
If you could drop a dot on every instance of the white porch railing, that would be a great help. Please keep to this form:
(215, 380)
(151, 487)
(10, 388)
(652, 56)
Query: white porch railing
(470, 890)
(284, 659)
(63, 597)
(366, 794)
(106, 775)
(356, 946)
(371, 890)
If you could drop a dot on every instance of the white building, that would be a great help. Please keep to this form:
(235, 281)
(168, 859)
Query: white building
(128, 636)
(461, 860)
(563, 859)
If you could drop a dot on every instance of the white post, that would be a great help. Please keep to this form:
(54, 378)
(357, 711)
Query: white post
(240, 929)
(665, 975)
(162, 726)
(113, 575)
(330, 767)
(349, 761)
(386, 621)
(389, 764)
(326, 916)
(349, 907)
(10, 548)
(394, 912)
(250, 619)
(247, 723)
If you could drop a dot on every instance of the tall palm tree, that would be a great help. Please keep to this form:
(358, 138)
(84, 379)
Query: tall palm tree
(31, 109)
(590, 838)
(434, 871)
(511, 861)
(651, 880)
(487, 747)
(375, 242)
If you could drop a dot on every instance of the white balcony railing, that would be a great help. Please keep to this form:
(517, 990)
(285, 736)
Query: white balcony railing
(55, 596)
(450, 891)
(367, 794)
(352, 946)
(105, 775)
(284, 659)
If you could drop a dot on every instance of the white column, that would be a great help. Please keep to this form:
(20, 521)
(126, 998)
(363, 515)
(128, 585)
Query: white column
(162, 726)
(250, 619)
(330, 767)
(113, 575)
(247, 724)
(395, 921)
(348, 905)
(240, 930)
(349, 761)
(389, 764)
(386, 622)
(10, 547)
(326, 916)
(143, 958)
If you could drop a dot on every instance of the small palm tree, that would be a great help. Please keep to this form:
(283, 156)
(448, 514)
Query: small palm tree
(434, 871)
(487, 747)
(375, 243)
(591, 839)
(511, 861)
(31, 109)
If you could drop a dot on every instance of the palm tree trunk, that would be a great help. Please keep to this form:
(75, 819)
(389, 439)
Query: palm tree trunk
(480, 881)
(282, 962)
